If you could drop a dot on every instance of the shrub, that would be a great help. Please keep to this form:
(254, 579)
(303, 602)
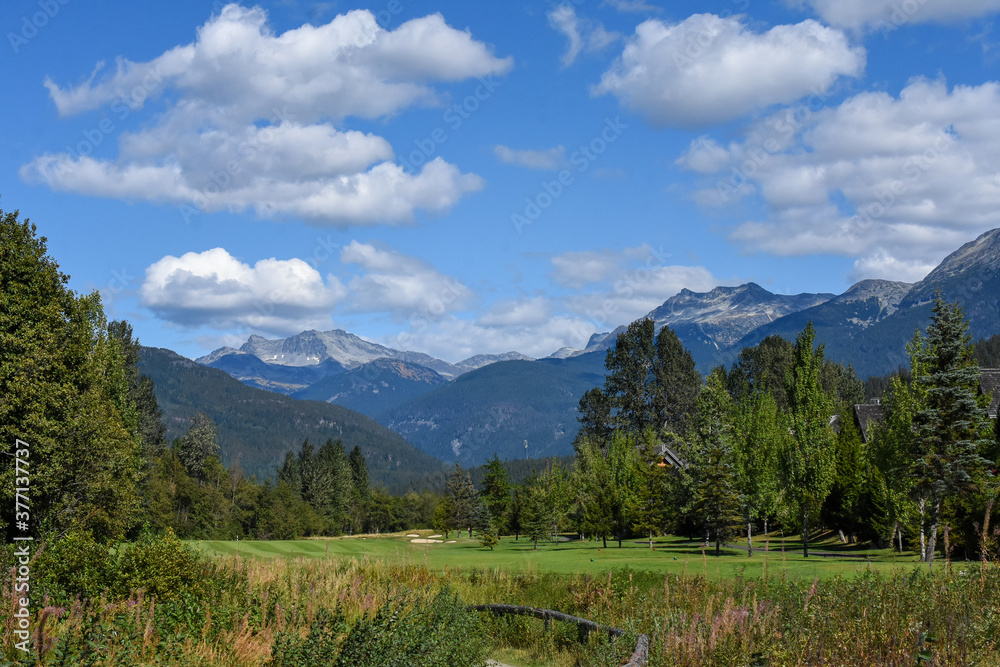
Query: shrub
(439, 632)
(160, 565)
(75, 565)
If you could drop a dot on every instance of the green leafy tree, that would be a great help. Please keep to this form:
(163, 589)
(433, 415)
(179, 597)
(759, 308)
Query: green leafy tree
(65, 390)
(759, 436)
(652, 508)
(949, 438)
(149, 417)
(443, 516)
(558, 484)
(849, 506)
(809, 460)
(609, 478)
(891, 444)
(597, 484)
(198, 445)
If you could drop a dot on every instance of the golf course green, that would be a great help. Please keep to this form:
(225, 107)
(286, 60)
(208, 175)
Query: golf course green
(670, 555)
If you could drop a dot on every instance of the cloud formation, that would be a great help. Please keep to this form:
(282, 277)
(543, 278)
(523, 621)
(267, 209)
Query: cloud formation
(250, 119)
(892, 181)
(551, 158)
(886, 15)
(631, 6)
(623, 285)
(406, 287)
(580, 33)
(708, 70)
(215, 289)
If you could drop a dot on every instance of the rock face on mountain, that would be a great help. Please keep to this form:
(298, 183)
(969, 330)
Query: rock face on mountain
(839, 322)
(480, 360)
(312, 347)
(250, 370)
(375, 387)
(869, 325)
(971, 276)
(709, 323)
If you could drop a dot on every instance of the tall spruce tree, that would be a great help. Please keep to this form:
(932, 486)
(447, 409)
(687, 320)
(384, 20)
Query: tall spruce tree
(949, 438)
(716, 499)
(651, 381)
(463, 497)
(594, 417)
(496, 493)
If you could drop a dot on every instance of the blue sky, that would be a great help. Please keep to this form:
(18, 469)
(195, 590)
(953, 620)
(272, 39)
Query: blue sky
(467, 177)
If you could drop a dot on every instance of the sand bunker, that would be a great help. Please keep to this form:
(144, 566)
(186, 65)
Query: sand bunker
(424, 540)
(451, 541)
(413, 535)
(434, 536)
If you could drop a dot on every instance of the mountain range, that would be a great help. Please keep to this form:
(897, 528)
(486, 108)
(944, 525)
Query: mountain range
(493, 403)
(257, 428)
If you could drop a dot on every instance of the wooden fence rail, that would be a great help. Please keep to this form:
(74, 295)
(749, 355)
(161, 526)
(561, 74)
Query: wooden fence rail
(585, 626)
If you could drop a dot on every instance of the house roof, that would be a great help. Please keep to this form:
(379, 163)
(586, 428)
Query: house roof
(670, 457)
(989, 384)
(866, 414)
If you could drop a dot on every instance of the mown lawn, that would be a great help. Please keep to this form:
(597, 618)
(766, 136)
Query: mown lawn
(671, 555)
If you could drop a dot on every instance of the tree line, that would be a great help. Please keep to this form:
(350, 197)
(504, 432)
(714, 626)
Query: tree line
(768, 443)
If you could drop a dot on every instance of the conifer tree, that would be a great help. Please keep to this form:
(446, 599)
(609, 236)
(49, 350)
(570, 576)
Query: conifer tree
(716, 500)
(496, 492)
(651, 381)
(949, 438)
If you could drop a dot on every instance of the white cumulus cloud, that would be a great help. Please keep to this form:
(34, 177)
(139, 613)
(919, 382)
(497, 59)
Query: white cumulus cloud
(215, 289)
(895, 182)
(407, 287)
(250, 119)
(708, 69)
(887, 15)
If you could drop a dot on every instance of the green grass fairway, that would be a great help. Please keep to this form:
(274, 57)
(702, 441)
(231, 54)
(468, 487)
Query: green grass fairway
(672, 555)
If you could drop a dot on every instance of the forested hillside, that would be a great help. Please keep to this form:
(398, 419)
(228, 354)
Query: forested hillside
(497, 407)
(259, 427)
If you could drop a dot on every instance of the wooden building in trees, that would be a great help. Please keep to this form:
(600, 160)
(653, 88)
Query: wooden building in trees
(868, 414)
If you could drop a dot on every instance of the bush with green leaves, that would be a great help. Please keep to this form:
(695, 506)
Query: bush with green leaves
(77, 566)
(74, 565)
(435, 632)
(160, 565)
